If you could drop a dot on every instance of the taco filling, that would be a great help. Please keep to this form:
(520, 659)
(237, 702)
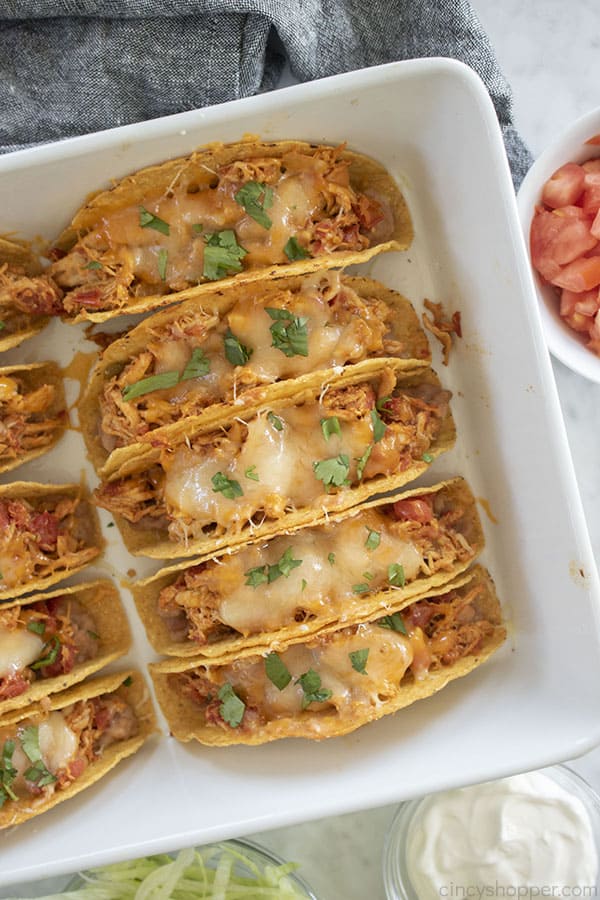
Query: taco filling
(45, 753)
(253, 213)
(197, 359)
(24, 297)
(350, 674)
(296, 458)
(319, 573)
(43, 640)
(29, 418)
(41, 536)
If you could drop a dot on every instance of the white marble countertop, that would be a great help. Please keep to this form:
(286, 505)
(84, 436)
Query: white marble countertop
(547, 48)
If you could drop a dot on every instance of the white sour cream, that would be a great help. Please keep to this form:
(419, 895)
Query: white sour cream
(521, 832)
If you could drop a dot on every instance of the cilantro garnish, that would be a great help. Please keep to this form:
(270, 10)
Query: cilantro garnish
(310, 682)
(37, 626)
(255, 197)
(226, 486)
(331, 559)
(222, 255)
(361, 463)
(269, 573)
(51, 649)
(330, 426)
(93, 264)
(150, 384)
(368, 575)
(236, 353)
(232, 708)
(427, 457)
(93, 635)
(148, 220)
(289, 332)
(373, 539)
(304, 584)
(197, 228)
(393, 622)
(128, 681)
(275, 421)
(37, 773)
(358, 658)
(396, 575)
(2, 325)
(382, 402)
(361, 588)
(197, 365)
(277, 671)
(293, 250)
(252, 473)
(333, 471)
(378, 426)
(7, 773)
(163, 256)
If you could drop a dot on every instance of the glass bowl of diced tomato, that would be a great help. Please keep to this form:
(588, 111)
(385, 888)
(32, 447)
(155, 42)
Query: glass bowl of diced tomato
(559, 207)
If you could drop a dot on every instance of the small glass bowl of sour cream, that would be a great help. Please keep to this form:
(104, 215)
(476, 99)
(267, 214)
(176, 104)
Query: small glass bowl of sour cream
(522, 837)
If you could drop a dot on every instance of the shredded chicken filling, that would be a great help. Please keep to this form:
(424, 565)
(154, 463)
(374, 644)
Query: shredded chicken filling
(27, 421)
(25, 297)
(309, 198)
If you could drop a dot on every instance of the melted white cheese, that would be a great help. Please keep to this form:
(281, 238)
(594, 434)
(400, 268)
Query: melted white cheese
(18, 649)
(58, 744)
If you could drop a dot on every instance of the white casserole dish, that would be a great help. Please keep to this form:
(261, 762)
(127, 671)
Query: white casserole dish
(538, 702)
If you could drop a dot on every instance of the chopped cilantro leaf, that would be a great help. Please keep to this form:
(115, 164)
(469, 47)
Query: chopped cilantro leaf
(373, 539)
(197, 228)
(333, 471)
(226, 486)
(52, 648)
(128, 681)
(380, 406)
(285, 565)
(222, 255)
(277, 671)
(148, 220)
(93, 264)
(393, 622)
(293, 250)
(361, 463)
(310, 682)
(378, 426)
(256, 576)
(163, 257)
(396, 575)
(255, 197)
(37, 626)
(8, 773)
(358, 658)
(289, 332)
(361, 588)
(151, 383)
(197, 366)
(275, 421)
(232, 708)
(38, 773)
(427, 457)
(331, 559)
(236, 353)
(252, 473)
(269, 573)
(330, 426)
(93, 635)
(2, 325)
(304, 583)
(368, 575)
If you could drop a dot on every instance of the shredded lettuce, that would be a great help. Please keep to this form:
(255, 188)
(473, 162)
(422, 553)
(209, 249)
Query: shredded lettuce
(216, 872)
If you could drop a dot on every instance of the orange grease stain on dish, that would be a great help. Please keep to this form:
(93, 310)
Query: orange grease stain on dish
(487, 509)
(79, 370)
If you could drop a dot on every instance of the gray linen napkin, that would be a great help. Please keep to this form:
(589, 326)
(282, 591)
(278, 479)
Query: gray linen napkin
(72, 66)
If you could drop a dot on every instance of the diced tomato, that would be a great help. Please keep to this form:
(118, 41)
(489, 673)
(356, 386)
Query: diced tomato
(595, 226)
(565, 187)
(45, 526)
(590, 202)
(580, 275)
(594, 140)
(557, 238)
(417, 509)
(591, 165)
(585, 303)
(579, 323)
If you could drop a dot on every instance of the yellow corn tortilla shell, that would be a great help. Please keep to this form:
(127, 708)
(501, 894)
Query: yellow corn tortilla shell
(136, 694)
(140, 187)
(20, 255)
(153, 543)
(31, 491)
(35, 376)
(357, 608)
(102, 600)
(186, 721)
(406, 329)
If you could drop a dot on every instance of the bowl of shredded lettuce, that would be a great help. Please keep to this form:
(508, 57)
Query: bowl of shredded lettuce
(232, 870)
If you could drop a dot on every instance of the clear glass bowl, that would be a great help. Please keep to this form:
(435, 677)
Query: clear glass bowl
(395, 873)
(258, 855)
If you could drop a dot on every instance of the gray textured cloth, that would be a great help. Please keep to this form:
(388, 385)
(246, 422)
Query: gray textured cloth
(72, 66)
